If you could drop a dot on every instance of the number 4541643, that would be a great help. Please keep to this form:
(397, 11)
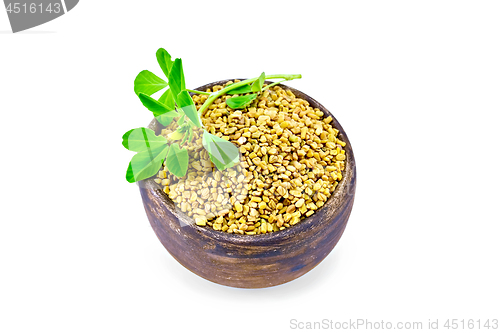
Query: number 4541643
(33, 8)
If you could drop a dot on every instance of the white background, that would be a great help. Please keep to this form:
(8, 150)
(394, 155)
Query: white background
(414, 83)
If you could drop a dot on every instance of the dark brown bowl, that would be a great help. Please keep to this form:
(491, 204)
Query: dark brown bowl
(253, 261)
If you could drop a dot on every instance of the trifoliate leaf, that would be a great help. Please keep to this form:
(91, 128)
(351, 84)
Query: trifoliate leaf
(176, 78)
(148, 83)
(185, 102)
(164, 60)
(177, 160)
(240, 102)
(223, 153)
(146, 163)
(168, 99)
(154, 106)
(240, 90)
(141, 138)
(257, 85)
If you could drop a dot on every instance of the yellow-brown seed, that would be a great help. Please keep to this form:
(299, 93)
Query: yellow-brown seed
(299, 203)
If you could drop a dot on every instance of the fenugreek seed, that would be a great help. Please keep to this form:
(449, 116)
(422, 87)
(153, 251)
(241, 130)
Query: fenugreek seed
(223, 212)
(201, 221)
(287, 217)
(284, 124)
(312, 206)
(205, 193)
(299, 203)
(272, 151)
(281, 191)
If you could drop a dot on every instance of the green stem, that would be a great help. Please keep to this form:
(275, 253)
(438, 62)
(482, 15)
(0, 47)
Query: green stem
(198, 92)
(214, 96)
(273, 84)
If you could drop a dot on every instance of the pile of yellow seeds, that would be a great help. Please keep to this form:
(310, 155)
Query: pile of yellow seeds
(291, 162)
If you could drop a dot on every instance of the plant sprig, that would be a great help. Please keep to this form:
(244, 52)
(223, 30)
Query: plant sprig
(176, 102)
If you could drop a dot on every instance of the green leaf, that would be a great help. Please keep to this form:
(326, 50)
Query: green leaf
(177, 160)
(154, 106)
(257, 85)
(240, 102)
(221, 166)
(177, 135)
(180, 122)
(166, 118)
(140, 139)
(240, 90)
(185, 102)
(176, 78)
(223, 153)
(146, 163)
(148, 83)
(165, 60)
(168, 99)
(187, 135)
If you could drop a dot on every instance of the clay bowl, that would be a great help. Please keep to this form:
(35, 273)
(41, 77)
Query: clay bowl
(253, 261)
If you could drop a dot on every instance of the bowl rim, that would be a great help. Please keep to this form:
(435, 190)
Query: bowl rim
(276, 236)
